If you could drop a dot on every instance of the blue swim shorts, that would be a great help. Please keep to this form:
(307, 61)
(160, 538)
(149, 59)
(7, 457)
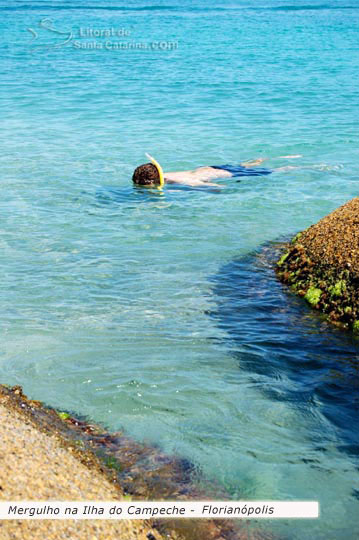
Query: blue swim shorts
(239, 170)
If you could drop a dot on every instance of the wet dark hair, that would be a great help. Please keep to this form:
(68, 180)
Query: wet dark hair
(146, 175)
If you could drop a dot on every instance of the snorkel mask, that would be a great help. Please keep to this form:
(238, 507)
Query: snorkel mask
(159, 169)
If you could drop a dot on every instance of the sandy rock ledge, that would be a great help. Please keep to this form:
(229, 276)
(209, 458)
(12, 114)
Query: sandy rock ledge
(39, 465)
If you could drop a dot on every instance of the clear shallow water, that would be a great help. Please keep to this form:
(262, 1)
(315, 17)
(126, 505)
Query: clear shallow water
(146, 310)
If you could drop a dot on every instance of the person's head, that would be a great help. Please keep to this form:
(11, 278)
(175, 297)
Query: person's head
(146, 175)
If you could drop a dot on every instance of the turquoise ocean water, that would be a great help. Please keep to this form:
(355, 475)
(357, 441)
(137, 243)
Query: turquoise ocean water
(146, 310)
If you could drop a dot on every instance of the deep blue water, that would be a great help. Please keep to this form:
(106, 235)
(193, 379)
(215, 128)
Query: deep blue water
(150, 310)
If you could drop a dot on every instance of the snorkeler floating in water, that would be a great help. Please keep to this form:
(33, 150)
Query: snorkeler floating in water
(152, 175)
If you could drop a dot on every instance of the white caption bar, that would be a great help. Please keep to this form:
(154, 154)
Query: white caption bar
(146, 510)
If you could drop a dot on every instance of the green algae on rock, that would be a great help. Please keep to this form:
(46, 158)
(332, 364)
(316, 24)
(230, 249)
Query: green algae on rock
(313, 296)
(63, 415)
(322, 265)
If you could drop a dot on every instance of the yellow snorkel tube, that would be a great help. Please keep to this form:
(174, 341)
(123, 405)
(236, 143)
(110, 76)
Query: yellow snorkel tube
(159, 168)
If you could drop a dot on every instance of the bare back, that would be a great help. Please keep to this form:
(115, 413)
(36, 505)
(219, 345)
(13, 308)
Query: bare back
(197, 177)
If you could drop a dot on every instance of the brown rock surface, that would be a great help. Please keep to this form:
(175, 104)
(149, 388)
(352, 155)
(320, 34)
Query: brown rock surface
(334, 240)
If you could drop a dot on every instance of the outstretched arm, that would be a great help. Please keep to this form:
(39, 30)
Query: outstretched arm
(193, 182)
(199, 183)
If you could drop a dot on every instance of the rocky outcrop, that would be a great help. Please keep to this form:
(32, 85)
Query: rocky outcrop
(322, 265)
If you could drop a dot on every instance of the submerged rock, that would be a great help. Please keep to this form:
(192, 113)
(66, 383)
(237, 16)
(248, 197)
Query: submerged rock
(322, 265)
